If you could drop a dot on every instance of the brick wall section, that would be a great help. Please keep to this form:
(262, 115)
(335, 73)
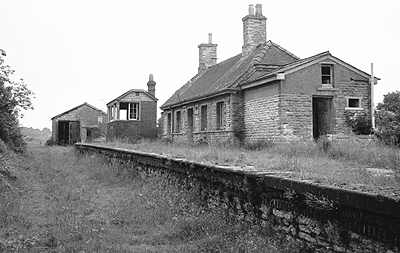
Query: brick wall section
(135, 129)
(324, 219)
(86, 115)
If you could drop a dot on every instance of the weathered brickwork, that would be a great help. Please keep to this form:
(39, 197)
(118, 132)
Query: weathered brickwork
(324, 219)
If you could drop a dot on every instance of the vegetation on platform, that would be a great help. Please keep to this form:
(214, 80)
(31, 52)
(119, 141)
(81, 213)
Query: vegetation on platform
(62, 203)
(367, 166)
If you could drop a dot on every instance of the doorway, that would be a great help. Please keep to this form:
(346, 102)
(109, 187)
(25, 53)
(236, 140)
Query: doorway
(68, 132)
(322, 116)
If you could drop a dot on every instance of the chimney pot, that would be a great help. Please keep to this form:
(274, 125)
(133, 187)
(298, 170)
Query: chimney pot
(258, 10)
(251, 9)
(210, 38)
(151, 78)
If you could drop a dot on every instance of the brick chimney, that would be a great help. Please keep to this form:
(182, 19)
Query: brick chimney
(207, 54)
(254, 29)
(151, 85)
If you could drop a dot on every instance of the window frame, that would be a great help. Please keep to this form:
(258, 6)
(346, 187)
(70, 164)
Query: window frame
(353, 108)
(219, 115)
(202, 119)
(169, 122)
(191, 127)
(178, 122)
(331, 74)
(137, 111)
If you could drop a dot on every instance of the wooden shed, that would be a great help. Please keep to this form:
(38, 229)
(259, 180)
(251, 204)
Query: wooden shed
(80, 124)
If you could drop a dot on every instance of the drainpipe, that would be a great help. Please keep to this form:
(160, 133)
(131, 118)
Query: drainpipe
(372, 97)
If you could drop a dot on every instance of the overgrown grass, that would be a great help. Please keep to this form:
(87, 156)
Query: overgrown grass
(61, 203)
(343, 163)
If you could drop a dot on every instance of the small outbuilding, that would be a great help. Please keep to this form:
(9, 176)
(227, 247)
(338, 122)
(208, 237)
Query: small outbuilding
(82, 123)
(133, 115)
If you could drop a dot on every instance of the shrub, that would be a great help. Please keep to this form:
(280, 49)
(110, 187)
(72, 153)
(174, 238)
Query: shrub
(359, 122)
(388, 127)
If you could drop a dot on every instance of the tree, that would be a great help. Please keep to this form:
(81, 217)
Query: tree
(388, 118)
(15, 98)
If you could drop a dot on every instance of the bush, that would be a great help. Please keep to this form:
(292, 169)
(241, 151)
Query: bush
(14, 98)
(359, 122)
(388, 127)
(388, 119)
(50, 142)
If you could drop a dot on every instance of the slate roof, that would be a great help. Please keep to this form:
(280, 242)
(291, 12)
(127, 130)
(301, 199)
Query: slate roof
(76, 107)
(229, 74)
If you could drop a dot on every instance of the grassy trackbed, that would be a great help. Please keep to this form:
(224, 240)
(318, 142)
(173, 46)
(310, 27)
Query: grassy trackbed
(347, 164)
(62, 203)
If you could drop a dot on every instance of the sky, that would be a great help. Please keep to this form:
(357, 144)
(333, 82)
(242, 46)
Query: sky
(75, 51)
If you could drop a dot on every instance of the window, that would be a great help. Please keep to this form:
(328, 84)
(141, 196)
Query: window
(133, 111)
(190, 118)
(123, 111)
(137, 93)
(203, 124)
(220, 115)
(327, 73)
(353, 103)
(178, 125)
(169, 121)
(100, 119)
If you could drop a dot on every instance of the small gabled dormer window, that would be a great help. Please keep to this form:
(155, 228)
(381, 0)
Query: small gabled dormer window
(327, 74)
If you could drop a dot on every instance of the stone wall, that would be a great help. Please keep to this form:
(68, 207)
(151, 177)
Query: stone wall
(212, 134)
(300, 87)
(261, 113)
(325, 219)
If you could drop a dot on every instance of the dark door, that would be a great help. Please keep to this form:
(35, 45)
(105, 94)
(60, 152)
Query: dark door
(322, 116)
(74, 132)
(190, 124)
(63, 133)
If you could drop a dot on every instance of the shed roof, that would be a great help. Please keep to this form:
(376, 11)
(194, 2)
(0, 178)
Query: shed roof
(73, 109)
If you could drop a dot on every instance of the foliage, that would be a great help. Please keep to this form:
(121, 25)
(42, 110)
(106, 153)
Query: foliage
(388, 119)
(15, 97)
(359, 122)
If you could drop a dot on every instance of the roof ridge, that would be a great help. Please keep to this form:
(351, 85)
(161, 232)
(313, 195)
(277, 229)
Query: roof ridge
(283, 49)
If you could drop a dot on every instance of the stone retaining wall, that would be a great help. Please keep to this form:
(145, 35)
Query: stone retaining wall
(326, 219)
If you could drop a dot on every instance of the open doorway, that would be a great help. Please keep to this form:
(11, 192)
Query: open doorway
(322, 116)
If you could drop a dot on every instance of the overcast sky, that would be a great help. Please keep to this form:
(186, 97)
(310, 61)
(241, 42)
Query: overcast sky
(76, 51)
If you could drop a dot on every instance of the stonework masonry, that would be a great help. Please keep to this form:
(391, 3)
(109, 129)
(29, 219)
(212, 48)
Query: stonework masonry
(254, 29)
(324, 219)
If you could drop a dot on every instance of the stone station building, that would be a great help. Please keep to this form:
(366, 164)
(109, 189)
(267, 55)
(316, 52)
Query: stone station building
(265, 93)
